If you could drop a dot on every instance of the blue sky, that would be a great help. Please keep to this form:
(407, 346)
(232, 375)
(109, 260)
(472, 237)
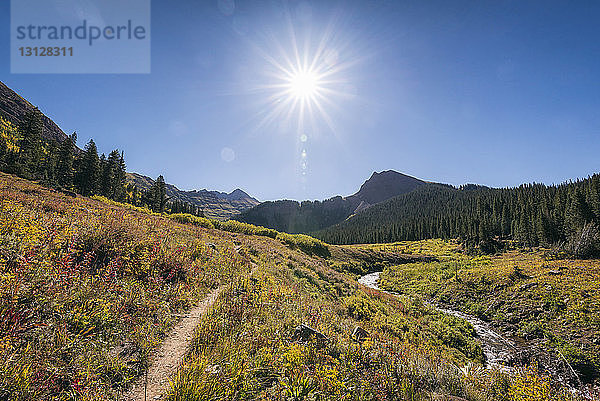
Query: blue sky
(492, 92)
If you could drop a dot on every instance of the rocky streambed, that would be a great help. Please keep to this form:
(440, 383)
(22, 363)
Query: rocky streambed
(502, 352)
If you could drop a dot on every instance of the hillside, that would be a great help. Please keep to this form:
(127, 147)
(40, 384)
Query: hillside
(301, 217)
(13, 107)
(91, 289)
(215, 204)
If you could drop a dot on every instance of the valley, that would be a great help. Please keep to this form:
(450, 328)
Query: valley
(92, 288)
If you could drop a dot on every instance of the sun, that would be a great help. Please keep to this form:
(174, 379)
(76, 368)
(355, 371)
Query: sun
(303, 85)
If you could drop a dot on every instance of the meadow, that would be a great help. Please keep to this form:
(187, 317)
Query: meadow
(90, 288)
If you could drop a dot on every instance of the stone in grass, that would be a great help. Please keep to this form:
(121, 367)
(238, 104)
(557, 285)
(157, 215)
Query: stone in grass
(304, 334)
(359, 334)
(554, 272)
(528, 286)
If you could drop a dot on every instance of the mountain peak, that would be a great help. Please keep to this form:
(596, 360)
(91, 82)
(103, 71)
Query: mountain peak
(237, 194)
(385, 185)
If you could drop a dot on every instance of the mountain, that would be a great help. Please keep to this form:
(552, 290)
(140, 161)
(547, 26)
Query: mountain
(386, 185)
(301, 217)
(217, 205)
(13, 108)
(530, 215)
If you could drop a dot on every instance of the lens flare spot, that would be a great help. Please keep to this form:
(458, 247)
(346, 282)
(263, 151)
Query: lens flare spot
(227, 154)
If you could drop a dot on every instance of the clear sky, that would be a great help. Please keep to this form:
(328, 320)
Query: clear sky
(492, 92)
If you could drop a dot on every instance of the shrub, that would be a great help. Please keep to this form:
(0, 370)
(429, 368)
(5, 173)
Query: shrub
(186, 218)
(305, 243)
(129, 206)
(245, 228)
(359, 307)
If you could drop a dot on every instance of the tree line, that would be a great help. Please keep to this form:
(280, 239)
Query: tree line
(25, 152)
(567, 215)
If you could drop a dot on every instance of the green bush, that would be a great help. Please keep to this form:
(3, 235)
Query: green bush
(305, 243)
(186, 218)
(359, 307)
(245, 228)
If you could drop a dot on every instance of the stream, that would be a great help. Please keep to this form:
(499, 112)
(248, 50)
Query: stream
(500, 352)
(496, 348)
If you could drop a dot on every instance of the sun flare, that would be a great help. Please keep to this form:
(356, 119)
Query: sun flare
(304, 84)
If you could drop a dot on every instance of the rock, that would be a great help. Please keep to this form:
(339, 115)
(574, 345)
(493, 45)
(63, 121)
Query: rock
(359, 334)
(304, 334)
(527, 286)
(554, 272)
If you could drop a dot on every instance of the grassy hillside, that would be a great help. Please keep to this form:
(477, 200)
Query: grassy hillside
(89, 288)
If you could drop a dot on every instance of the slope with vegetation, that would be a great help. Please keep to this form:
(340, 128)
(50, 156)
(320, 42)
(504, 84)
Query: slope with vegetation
(90, 287)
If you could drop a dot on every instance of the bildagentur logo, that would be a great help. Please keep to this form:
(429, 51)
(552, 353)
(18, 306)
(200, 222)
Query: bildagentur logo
(80, 36)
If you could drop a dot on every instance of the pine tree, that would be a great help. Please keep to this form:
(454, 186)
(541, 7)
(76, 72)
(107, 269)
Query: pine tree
(105, 177)
(90, 172)
(65, 162)
(30, 154)
(159, 195)
(120, 191)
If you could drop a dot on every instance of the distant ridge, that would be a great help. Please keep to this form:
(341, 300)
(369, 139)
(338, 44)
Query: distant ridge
(297, 217)
(215, 204)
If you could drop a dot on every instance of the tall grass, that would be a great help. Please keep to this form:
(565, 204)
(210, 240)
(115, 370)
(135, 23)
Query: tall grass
(87, 290)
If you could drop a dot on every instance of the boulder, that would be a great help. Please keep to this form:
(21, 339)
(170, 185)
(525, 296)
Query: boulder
(554, 272)
(304, 334)
(527, 286)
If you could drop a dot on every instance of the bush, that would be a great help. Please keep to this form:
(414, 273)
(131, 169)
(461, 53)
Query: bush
(305, 243)
(244, 228)
(359, 307)
(129, 206)
(186, 218)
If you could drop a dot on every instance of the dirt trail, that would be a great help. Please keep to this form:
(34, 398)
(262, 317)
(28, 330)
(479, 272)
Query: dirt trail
(166, 360)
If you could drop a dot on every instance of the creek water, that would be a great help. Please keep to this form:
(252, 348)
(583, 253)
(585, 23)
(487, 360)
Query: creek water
(496, 348)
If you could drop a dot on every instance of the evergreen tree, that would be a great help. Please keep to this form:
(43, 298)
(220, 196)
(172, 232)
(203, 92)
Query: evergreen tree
(120, 190)
(30, 154)
(65, 162)
(105, 177)
(159, 195)
(89, 174)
